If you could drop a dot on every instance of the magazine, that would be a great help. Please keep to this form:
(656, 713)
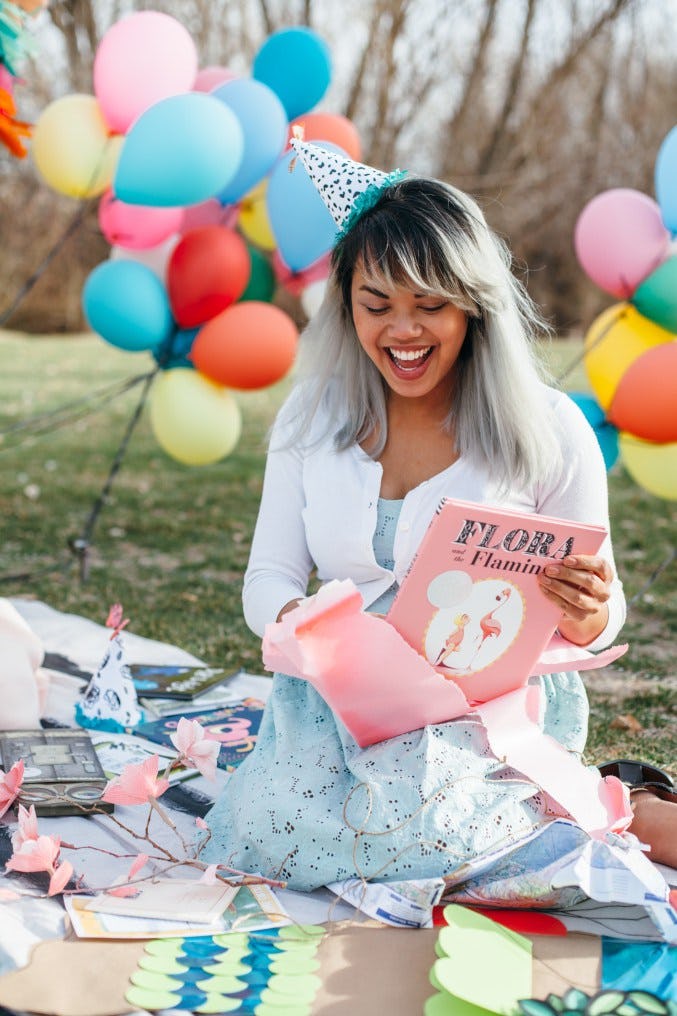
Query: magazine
(236, 726)
(178, 681)
(470, 602)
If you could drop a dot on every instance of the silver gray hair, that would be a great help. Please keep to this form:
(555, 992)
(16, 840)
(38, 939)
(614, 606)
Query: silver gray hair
(431, 237)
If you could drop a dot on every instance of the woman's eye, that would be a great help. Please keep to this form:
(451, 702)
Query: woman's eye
(433, 310)
(376, 310)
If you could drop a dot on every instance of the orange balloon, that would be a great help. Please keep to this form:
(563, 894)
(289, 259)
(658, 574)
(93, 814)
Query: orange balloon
(645, 401)
(330, 127)
(249, 345)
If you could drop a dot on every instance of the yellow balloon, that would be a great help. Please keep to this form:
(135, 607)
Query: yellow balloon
(614, 341)
(253, 218)
(194, 420)
(72, 149)
(652, 466)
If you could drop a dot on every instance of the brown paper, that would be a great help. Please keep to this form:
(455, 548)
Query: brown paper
(73, 979)
(561, 962)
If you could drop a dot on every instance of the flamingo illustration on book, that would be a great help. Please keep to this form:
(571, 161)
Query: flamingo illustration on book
(452, 643)
(490, 626)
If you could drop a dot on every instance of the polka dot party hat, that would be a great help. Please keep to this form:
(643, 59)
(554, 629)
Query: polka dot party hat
(348, 188)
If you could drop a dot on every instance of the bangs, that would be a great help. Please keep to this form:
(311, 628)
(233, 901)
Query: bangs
(413, 245)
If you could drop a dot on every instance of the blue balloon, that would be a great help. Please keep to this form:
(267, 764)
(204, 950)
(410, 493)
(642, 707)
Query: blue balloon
(174, 351)
(125, 302)
(263, 121)
(182, 150)
(302, 224)
(666, 180)
(296, 64)
(605, 432)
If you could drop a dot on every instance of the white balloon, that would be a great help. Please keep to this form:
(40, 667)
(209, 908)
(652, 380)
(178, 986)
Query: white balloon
(155, 258)
(312, 297)
(449, 588)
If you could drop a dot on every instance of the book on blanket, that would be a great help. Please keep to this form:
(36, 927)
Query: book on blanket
(183, 682)
(235, 725)
(470, 602)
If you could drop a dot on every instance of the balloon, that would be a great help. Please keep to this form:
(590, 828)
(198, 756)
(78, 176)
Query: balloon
(209, 78)
(155, 258)
(614, 340)
(296, 282)
(313, 296)
(645, 401)
(136, 226)
(174, 352)
(127, 305)
(263, 121)
(250, 345)
(330, 127)
(296, 64)
(253, 218)
(656, 297)
(209, 213)
(194, 420)
(620, 239)
(301, 222)
(182, 150)
(605, 432)
(666, 179)
(208, 270)
(71, 147)
(140, 60)
(652, 466)
(261, 285)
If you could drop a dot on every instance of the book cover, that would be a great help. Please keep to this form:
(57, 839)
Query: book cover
(236, 726)
(176, 681)
(470, 603)
(169, 899)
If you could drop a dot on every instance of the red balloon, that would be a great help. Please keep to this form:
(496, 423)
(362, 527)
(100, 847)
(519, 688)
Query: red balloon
(250, 345)
(209, 269)
(645, 401)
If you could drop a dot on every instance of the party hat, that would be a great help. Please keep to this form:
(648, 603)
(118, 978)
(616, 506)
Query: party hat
(110, 701)
(348, 188)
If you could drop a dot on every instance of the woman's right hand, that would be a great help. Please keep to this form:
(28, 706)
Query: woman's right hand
(287, 607)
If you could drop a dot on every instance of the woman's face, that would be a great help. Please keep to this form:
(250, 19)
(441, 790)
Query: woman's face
(413, 338)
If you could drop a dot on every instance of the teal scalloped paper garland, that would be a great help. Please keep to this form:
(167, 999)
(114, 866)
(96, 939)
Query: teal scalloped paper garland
(604, 1003)
(367, 199)
(269, 973)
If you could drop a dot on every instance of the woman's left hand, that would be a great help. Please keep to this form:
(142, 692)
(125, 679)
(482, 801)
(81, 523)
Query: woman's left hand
(580, 585)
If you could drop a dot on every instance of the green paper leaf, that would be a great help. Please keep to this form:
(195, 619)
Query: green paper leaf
(575, 999)
(145, 998)
(534, 1007)
(605, 1002)
(646, 1002)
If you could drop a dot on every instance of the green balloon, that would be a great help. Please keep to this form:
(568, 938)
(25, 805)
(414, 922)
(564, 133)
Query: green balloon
(656, 297)
(261, 285)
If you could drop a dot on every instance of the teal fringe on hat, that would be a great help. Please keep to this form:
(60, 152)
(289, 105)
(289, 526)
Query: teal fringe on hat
(367, 199)
(15, 41)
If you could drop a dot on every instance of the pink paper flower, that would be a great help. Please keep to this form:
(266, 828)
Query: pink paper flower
(27, 828)
(60, 878)
(123, 891)
(196, 748)
(10, 785)
(200, 823)
(136, 784)
(36, 855)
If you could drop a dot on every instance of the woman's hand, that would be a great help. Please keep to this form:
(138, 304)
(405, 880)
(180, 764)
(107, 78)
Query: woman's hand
(287, 607)
(580, 585)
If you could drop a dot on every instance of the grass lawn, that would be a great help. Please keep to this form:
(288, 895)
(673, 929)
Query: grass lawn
(172, 542)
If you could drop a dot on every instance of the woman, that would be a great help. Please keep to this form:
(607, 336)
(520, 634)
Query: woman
(418, 382)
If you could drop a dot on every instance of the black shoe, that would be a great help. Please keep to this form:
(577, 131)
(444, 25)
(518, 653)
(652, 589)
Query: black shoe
(641, 776)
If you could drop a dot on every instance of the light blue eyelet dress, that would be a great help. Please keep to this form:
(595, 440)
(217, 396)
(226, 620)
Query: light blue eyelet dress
(310, 806)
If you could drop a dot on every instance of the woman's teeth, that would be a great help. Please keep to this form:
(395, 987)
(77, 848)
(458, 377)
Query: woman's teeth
(409, 356)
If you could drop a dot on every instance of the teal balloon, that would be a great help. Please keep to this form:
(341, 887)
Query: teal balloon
(125, 302)
(665, 179)
(302, 224)
(263, 121)
(261, 285)
(182, 150)
(656, 297)
(174, 351)
(296, 64)
(605, 432)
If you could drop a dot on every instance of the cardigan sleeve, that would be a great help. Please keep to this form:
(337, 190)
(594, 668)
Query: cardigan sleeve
(279, 562)
(580, 493)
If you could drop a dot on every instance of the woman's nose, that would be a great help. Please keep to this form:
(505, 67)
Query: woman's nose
(404, 326)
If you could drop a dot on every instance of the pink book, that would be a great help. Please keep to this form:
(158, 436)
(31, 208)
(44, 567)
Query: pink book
(470, 602)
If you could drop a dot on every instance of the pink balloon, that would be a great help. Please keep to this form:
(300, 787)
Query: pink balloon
(136, 226)
(209, 213)
(296, 282)
(209, 78)
(620, 239)
(141, 59)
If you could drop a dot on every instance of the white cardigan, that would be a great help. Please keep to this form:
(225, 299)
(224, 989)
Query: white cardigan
(318, 510)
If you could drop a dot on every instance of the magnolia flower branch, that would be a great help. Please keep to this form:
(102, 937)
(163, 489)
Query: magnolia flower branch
(137, 784)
